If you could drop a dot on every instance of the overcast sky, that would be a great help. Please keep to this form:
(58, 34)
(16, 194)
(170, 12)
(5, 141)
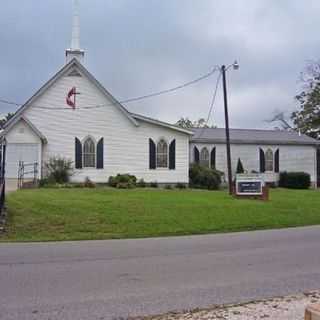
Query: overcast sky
(134, 47)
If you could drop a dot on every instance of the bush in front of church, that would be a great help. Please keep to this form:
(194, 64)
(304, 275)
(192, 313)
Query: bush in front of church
(202, 177)
(123, 181)
(295, 180)
(240, 168)
(58, 170)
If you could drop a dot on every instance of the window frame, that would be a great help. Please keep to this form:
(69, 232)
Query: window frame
(94, 153)
(269, 160)
(204, 162)
(164, 154)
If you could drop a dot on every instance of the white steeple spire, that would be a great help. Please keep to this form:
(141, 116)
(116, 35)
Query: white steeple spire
(75, 51)
(75, 42)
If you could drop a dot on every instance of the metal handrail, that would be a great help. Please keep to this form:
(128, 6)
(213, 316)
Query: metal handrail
(2, 177)
(22, 172)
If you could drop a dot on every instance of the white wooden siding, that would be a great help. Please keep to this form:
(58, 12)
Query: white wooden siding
(26, 152)
(126, 147)
(22, 145)
(22, 133)
(292, 158)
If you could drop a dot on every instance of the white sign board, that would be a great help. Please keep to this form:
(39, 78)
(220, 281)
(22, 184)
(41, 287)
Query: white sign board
(249, 184)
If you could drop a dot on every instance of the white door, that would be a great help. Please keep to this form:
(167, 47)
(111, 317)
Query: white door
(26, 152)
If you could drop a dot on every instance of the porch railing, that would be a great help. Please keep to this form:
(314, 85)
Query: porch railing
(25, 169)
(2, 177)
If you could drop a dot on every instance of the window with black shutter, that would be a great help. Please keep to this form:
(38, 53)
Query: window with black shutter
(262, 161)
(213, 158)
(78, 154)
(276, 161)
(100, 153)
(196, 155)
(172, 155)
(152, 154)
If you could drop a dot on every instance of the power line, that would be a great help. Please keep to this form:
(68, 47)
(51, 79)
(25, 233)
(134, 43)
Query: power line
(10, 102)
(214, 97)
(130, 100)
(213, 100)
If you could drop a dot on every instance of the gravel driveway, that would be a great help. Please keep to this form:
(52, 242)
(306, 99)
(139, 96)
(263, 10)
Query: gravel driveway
(284, 308)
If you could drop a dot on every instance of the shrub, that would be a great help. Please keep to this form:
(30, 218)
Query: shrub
(181, 185)
(141, 183)
(240, 167)
(43, 182)
(204, 178)
(88, 183)
(125, 185)
(295, 180)
(168, 187)
(78, 185)
(59, 170)
(124, 180)
(154, 184)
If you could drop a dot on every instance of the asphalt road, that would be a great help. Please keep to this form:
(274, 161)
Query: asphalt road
(121, 278)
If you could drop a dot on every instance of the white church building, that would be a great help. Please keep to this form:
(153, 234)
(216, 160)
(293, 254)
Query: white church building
(73, 116)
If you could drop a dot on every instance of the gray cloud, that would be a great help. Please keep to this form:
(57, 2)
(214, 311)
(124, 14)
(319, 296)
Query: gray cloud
(136, 47)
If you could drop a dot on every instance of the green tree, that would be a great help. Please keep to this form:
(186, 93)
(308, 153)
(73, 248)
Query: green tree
(240, 166)
(307, 118)
(186, 123)
(6, 118)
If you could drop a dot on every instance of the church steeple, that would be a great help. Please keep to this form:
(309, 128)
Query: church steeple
(75, 51)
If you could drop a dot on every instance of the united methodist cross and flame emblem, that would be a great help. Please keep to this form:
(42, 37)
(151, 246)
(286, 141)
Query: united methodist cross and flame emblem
(71, 97)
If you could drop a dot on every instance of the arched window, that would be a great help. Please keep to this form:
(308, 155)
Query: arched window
(204, 157)
(162, 154)
(89, 153)
(269, 160)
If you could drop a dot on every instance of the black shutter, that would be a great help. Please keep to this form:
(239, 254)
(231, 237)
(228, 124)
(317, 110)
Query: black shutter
(213, 158)
(100, 154)
(78, 154)
(262, 161)
(152, 154)
(276, 161)
(196, 155)
(172, 155)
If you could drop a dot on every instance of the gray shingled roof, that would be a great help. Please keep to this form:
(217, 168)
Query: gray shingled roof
(252, 136)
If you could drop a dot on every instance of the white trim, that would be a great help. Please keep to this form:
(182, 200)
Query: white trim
(166, 141)
(95, 152)
(161, 123)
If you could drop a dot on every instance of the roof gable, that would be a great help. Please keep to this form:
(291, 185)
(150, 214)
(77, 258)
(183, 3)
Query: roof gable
(28, 123)
(73, 68)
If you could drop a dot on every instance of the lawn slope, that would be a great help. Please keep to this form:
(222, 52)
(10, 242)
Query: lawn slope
(104, 213)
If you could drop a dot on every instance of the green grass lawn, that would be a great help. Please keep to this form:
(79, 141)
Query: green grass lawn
(104, 213)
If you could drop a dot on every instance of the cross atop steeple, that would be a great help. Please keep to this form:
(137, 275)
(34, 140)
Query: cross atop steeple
(75, 51)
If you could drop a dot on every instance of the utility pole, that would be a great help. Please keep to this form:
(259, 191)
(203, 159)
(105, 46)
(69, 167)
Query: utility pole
(223, 71)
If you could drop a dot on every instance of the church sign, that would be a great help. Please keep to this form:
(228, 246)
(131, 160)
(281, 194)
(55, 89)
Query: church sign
(249, 185)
